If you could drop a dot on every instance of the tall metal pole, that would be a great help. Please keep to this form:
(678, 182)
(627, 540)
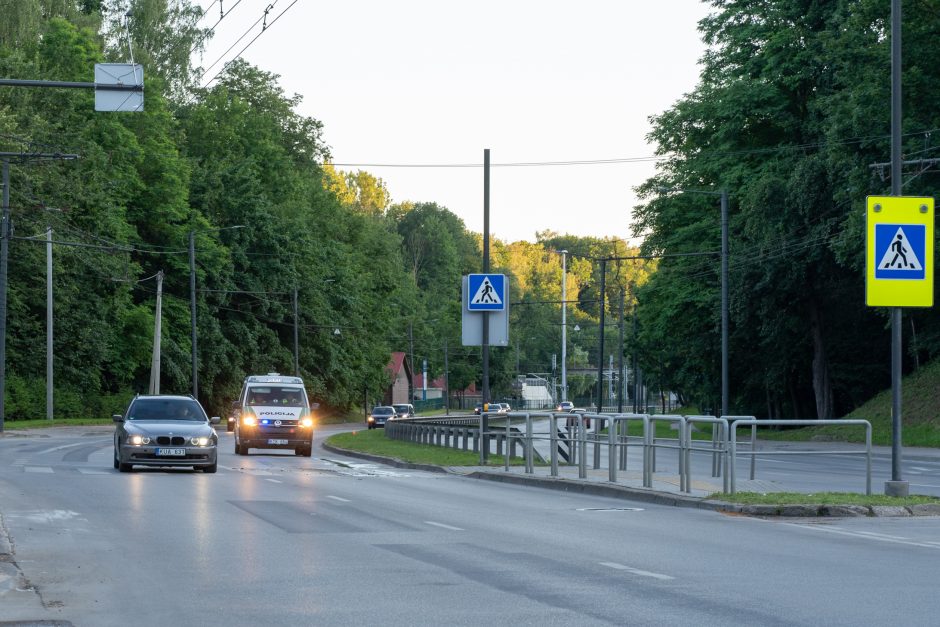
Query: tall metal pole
(897, 486)
(725, 409)
(623, 380)
(446, 381)
(484, 442)
(192, 312)
(600, 348)
(4, 252)
(411, 361)
(49, 343)
(564, 325)
(157, 330)
(296, 337)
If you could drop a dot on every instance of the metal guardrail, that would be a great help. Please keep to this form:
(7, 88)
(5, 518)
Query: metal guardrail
(507, 432)
(753, 423)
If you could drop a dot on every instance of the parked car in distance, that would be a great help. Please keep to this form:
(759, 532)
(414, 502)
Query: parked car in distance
(164, 430)
(380, 415)
(404, 410)
(504, 408)
(565, 406)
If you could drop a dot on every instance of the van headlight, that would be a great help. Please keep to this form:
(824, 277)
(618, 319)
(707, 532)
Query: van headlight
(306, 421)
(249, 420)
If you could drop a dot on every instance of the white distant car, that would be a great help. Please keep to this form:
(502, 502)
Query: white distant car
(504, 408)
(565, 406)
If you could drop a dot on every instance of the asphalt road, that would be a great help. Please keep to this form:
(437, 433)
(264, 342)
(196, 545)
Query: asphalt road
(276, 539)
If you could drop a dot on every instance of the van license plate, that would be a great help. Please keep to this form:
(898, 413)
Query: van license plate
(170, 452)
(276, 442)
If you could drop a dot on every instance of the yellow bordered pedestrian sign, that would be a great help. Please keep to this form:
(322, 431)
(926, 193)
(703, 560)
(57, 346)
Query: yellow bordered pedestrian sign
(899, 259)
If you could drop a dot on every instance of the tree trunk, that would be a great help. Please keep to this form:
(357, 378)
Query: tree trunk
(822, 384)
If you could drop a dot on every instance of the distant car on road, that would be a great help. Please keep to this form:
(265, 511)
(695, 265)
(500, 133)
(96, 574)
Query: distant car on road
(380, 415)
(504, 408)
(565, 406)
(164, 430)
(404, 410)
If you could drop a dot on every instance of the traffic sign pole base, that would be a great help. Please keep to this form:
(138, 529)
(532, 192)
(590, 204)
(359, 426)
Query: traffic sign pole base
(897, 488)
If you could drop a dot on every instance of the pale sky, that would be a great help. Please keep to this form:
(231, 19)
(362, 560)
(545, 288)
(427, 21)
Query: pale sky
(400, 82)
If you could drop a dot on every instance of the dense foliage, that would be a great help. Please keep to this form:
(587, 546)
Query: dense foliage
(237, 170)
(792, 109)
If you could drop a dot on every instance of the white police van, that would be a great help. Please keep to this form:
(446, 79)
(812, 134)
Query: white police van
(273, 412)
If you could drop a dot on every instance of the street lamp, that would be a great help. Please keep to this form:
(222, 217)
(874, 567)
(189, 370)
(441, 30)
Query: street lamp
(724, 286)
(564, 325)
(192, 298)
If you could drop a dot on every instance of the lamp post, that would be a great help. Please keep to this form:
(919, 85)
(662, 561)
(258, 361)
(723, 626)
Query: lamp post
(723, 194)
(564, 324)
(192, 300)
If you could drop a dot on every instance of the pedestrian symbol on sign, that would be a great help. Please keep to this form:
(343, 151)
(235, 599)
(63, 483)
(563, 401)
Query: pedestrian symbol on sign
(900, 251)
(899, 255)
(486, 295)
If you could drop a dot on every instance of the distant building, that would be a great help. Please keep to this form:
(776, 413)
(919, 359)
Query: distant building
(399, 375)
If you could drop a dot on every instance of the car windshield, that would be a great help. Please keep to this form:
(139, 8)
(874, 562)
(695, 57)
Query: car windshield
(401, 408)
(274, 395)
(166, 409)
(383, 411)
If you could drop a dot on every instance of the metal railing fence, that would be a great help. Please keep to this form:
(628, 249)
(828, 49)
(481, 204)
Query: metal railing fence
(506, 433)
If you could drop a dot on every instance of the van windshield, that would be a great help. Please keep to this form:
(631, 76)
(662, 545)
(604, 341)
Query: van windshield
(276, 396)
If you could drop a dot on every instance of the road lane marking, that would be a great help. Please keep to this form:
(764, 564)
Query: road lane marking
(337, 498)
(59, 448)
(863, 535)
(443, 526)
(43, 469)
(273, 480)
(636, 571)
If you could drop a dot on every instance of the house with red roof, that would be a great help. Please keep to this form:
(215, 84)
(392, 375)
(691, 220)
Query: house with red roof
(400, 375)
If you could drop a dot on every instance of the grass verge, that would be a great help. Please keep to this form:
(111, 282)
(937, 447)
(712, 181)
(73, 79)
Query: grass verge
(821, 498)
(374, 442)
(15, 425)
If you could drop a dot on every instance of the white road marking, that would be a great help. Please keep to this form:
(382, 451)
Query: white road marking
(636, 571)
(442, 525)
(41, 469)
(337, 498)
(864, 535)
(93, 471)
(273, 480)
(59, 448)
(924, 485)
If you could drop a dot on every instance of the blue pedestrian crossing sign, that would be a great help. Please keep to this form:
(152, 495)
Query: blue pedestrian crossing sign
(900, 252)
(486, 292)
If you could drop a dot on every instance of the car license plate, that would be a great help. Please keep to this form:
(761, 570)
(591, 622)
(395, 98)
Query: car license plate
(170, 452)
(276, 442)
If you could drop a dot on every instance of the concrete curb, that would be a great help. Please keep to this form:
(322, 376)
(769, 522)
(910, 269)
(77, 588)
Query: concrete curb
(644, 495)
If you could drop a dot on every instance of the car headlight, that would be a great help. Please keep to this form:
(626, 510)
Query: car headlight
(249, 420)
(200, 441)
(306, 421)
(137, 440)
(371, 418)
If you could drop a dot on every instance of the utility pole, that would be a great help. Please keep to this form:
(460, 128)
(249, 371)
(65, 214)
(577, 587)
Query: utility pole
(411, 361)
(600, 348)
(446, 381)
(897, 486)
(484, 418)
(564, 325)
(296, 337)
(155, 363)
(192, 312)
(623, 379)
(49, 343)
(4, 252)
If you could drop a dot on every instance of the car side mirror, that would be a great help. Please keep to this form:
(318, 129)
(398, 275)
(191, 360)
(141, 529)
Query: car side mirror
(117, 418)
(215, 420)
